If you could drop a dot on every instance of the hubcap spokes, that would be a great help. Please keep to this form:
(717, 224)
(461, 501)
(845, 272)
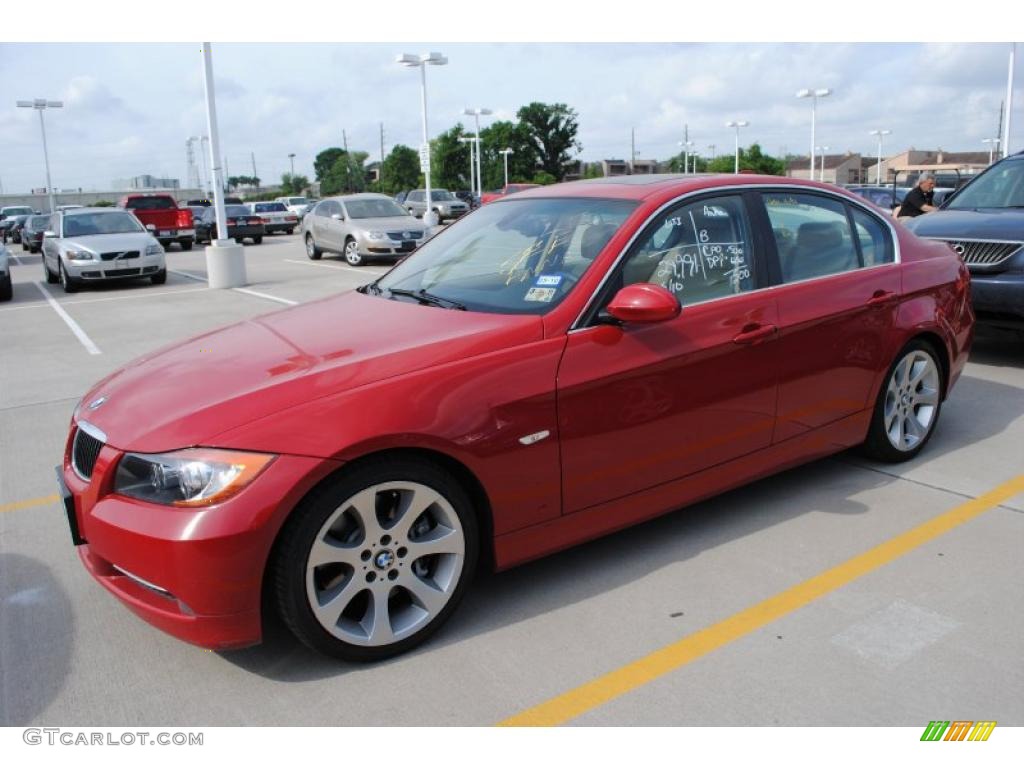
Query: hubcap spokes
(911, 400)
(385, 563)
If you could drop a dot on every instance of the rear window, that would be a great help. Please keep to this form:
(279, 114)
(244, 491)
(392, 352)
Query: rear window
(236, 210)
(267, 207)
(151, 204)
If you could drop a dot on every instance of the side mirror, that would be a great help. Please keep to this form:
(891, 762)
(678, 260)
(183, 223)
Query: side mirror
(338, 217)
(48, 233)
(643, 303)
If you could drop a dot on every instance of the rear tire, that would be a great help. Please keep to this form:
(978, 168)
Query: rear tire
(289, 231)
(186, 245)
(386, 580)
(159, 278)
(908, 405)
(6, 288)
(257, 240)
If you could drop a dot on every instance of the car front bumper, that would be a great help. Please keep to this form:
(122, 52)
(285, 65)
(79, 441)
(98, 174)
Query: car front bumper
(196, 574)
(999, 298)
(387, 247)
(115, 269)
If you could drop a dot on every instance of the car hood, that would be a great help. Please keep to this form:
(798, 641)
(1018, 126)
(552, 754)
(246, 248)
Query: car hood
(980, 224)
(389, 224)
(123, 241)
(188, 393)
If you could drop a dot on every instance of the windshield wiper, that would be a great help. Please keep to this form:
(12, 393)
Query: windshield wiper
(426, 298)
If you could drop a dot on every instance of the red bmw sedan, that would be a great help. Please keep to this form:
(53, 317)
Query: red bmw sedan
(557, 365)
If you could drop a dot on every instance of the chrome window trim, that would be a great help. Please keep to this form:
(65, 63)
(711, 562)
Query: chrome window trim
(849, 198)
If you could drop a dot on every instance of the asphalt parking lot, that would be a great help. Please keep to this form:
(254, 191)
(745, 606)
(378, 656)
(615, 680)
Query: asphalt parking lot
(702, 617)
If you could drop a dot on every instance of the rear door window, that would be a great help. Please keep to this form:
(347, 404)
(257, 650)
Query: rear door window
(812, 235)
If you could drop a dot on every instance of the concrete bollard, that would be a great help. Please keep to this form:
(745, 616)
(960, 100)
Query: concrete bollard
(225, 264)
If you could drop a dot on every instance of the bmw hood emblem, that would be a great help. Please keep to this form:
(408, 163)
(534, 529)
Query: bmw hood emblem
(97, 403)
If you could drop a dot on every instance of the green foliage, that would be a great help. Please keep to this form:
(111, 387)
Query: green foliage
(242, 181)
(523, 161)
(593, 171)
(346, 175)
(543, 177)
(449, 160)
(103, 204)
(552, 130)
(325, 161)
(294, 185)
(752, 159)
(401, 170)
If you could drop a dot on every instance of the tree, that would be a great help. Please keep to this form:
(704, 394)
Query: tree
(401, 170)
(593, 171)
(293, 184)
(346, 175)
(543, 178)
(552, 130)
(752, 159)
(325, 161)
(522, 163)
(449, 160)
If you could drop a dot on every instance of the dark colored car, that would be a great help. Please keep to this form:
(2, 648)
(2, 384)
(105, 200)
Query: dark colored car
(468, 197)
(984, 223)
(242, 224)
(562, 364)
(886, 197)
(14, 227)
(32, 232)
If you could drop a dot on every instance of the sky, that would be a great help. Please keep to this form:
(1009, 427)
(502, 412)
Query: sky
(129, 108)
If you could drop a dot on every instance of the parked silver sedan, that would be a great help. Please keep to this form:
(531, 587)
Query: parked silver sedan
(94, 244)
(360, 227)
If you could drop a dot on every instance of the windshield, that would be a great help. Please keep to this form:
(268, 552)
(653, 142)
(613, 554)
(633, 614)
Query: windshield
(296, 201)
(18, 211)
(267, 207)
(38, 221)
(112, 223)
(516, 257)
(1002, 186)
(373, 209)
(441, 194)
(236, 210)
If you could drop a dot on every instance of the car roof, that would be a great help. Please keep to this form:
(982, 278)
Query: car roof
(360, 196)
(100, 209)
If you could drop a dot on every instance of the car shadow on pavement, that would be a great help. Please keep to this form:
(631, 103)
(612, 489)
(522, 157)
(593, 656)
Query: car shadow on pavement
(33, 663)
(998, 346)
(494, 601)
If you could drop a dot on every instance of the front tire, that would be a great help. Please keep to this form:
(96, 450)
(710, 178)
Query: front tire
(69, 284)
(6, 288)
(908, 405)
(50, 277)
(352, 255)
(376, 560)
(312, 251)
(159, 278)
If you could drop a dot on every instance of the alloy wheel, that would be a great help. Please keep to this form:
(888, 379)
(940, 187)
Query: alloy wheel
(385, 563)
(911, 400)
(352, 253)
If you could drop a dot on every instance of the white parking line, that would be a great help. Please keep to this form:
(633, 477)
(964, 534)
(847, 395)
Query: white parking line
(75, 328)
(361, 270)
(249, 291)
(139, 295)
(16, 258)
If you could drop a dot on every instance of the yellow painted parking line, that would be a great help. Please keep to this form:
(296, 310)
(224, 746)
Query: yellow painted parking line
(27, 503)
(591, 695)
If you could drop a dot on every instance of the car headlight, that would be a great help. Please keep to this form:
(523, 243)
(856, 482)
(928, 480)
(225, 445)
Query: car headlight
(194, 477)
(154, 250)
(74, 255)
(376, 235)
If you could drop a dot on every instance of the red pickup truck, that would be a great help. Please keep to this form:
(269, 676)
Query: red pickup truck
(509, 189)
(160, 213)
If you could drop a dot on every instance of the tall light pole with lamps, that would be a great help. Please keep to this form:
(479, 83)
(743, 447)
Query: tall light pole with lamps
(821, 154)
(879, 132)
(737, 124)
(993, 146)
(40, 105)
(412, 60)
(476, 112)
(291, 159)
(813, 94)
(505, 153)
(472, 141)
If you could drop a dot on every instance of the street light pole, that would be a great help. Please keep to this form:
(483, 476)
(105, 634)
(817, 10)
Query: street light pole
(506, 152)
(472, 168)
(476, 112)
(40, 105)
(813, 94)
(291, 159)
(880, 132)
(821, 154)
(412, 60)
(737, 124)
(1009, 102)
(993, 144)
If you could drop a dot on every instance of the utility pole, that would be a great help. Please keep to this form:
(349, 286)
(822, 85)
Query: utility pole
(344, 140)
(227, 173)
(255, 178)
(632, 148)
(382, 146)
(1009, 103)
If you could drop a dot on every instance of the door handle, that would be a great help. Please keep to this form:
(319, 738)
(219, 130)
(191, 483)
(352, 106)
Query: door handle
(881, 298)
(753, 333)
